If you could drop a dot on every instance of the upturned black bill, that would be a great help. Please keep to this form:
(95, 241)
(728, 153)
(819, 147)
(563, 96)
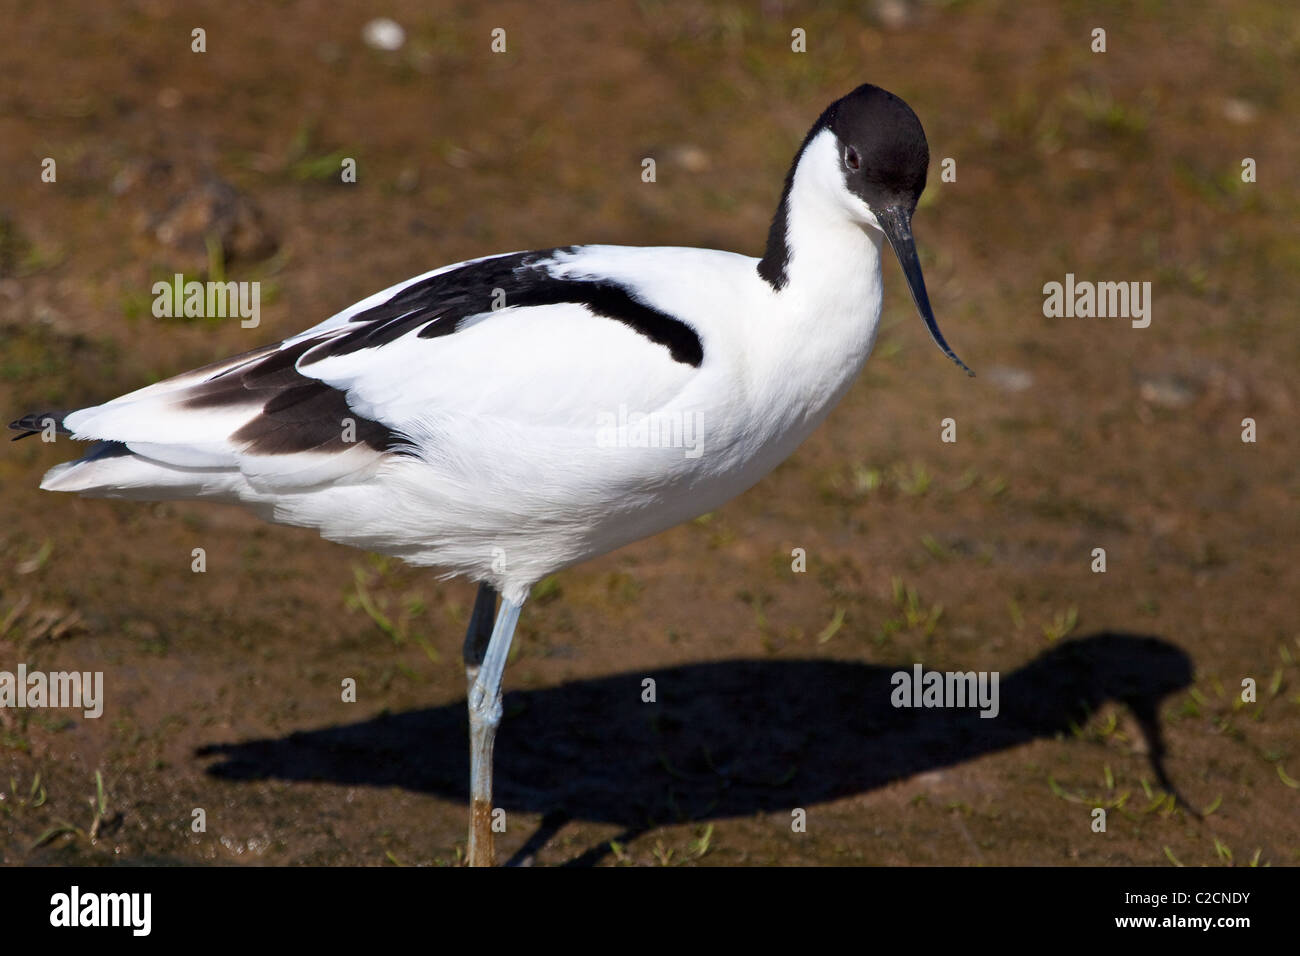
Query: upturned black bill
(896, 221)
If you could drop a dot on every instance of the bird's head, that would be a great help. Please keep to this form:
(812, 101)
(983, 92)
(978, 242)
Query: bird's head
(872, 158)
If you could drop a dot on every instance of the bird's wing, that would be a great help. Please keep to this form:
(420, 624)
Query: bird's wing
(529, 340)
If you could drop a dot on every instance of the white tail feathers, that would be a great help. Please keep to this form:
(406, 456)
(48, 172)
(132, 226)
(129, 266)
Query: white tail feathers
(111, 470)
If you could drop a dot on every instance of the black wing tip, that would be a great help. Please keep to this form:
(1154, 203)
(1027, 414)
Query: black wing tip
(35, 423)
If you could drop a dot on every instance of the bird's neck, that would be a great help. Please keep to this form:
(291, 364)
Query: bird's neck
(823, 267)
(823, 273)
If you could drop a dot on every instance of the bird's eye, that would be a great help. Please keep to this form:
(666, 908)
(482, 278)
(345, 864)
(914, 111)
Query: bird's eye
(851, 158)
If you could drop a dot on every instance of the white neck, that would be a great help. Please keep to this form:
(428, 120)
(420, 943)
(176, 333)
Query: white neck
(831, 296)
(821, 323)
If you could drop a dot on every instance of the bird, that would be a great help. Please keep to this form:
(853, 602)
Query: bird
(506, 417)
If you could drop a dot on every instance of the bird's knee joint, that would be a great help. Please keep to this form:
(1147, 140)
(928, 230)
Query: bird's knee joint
(484, 708)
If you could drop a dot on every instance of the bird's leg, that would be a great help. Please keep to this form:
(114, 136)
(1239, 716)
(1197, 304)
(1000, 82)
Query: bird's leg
(476, 643)
(480, 630)
(484, 716)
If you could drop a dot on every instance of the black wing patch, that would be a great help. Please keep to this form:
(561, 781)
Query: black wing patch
(437, 306)
(299, 413)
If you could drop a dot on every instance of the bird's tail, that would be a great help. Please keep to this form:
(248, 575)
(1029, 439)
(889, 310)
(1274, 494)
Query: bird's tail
(111, 469)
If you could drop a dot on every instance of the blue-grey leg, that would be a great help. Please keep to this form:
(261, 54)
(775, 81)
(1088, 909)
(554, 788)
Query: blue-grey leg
(484, 717)
(480, 631)
(477, 637)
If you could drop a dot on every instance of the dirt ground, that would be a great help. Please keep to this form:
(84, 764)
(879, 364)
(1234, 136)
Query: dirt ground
(1120, 690)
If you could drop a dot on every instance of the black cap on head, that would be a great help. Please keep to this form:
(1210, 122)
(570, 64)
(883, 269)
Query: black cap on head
(882, 145)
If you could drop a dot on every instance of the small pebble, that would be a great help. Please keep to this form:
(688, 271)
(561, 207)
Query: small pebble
(383, 34)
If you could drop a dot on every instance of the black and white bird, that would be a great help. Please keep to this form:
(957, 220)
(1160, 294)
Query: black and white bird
(506, 417)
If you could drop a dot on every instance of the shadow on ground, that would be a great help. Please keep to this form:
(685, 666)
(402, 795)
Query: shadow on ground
(729, 738)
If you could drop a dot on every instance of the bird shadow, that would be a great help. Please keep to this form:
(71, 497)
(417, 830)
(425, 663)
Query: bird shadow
(721, 739)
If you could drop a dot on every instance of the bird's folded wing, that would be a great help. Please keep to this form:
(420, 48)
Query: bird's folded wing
(419, 369)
